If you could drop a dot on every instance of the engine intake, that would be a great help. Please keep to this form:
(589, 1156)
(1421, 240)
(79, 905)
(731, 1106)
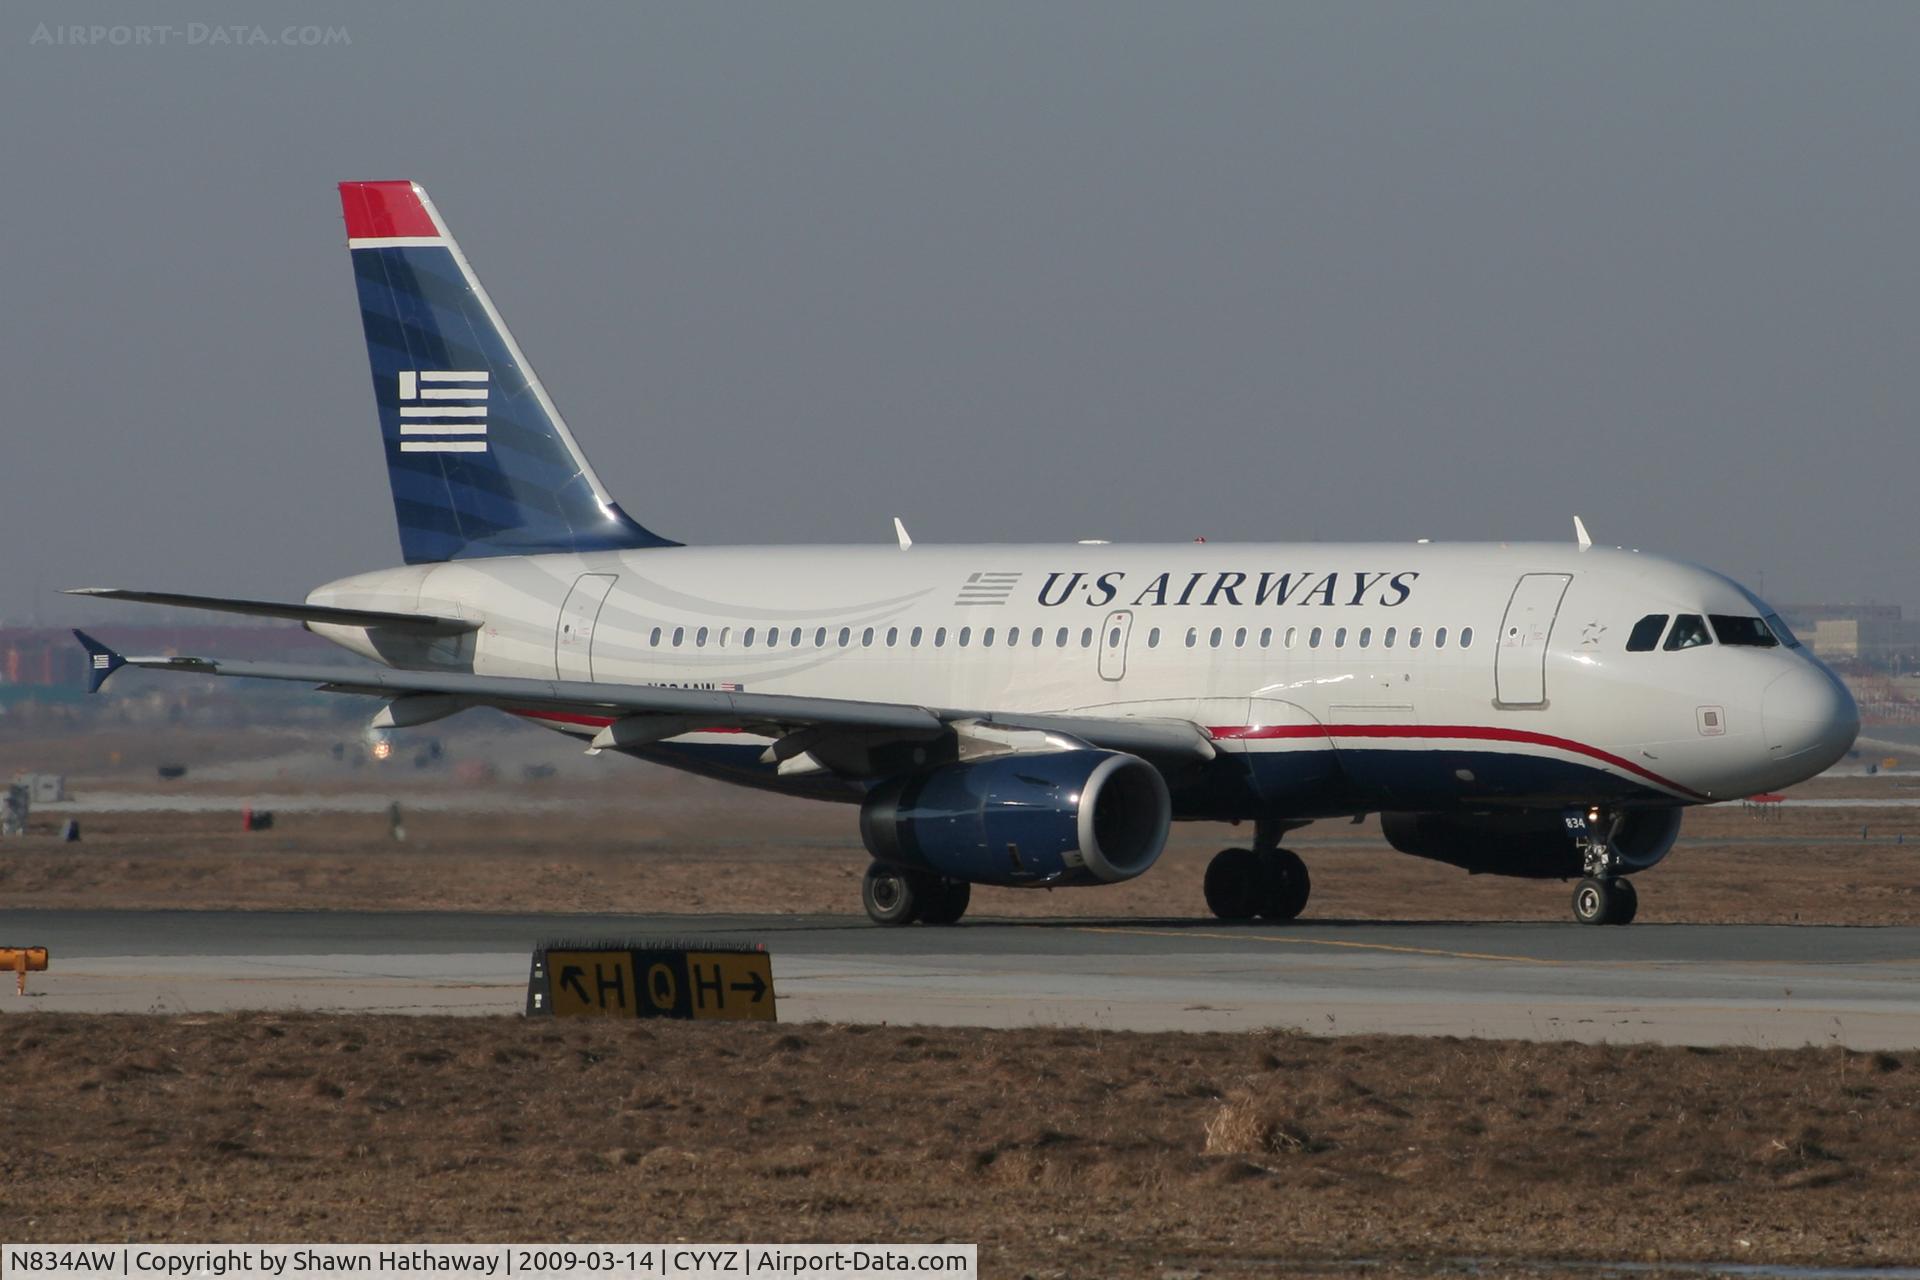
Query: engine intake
(1529, 843)
(1062, 817)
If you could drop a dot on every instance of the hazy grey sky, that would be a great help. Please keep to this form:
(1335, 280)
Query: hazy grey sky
(1037, 271)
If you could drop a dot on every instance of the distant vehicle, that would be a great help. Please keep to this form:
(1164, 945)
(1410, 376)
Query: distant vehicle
(1038, 715)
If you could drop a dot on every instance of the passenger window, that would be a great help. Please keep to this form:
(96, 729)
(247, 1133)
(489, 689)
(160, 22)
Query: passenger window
(655, 641)
(866, 637)
(913, 638)
(1039, 637)
(1413, 638)
(746, 641)
(1387, 639)
(1153, 638)
(939, 637)
(1646, 633)
(794, 639)
(1313, 638)
(1013, 637)
(1293, 636)
(1086, 637)
(1466, 637)
(986, 638)
(1729, 629)
(1339, 637)
(1240, 638)
(846, 635)
(893, 636)
(1366, 636)
(1060, 638)
(1266, 637)
(1214, 639)
(679, 634)
(1689, 632)
(1113, 638)
(1193, 636)
(700, 638)
(725, 633)
(820, 638)
(1439, 637)
(966, 634)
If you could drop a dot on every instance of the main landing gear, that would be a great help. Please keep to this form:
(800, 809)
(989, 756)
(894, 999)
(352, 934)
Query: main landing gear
(1265, 881)
(895, 896)
(1604, 896)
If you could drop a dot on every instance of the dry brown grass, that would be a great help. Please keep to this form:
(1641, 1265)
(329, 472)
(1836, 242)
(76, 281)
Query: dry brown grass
(708, 849)
(1060, 1151)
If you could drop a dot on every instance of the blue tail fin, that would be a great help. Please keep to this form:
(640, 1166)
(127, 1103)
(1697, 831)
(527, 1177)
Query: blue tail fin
(480, 461)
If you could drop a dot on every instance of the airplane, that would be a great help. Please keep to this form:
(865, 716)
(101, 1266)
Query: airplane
(1037, 716)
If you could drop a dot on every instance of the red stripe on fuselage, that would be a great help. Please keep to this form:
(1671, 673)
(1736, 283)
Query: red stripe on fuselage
(1467, 732)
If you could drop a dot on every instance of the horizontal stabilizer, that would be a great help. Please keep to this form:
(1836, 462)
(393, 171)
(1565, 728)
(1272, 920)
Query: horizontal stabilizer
(101, 661)
(297, 612)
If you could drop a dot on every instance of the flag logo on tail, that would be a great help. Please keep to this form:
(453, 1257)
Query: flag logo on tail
(443, 410)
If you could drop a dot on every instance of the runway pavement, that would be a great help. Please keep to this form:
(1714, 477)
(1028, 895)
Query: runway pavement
(1688, 984)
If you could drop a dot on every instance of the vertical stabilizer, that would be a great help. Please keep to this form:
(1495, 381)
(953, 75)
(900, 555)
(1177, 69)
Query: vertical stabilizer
(480, 461)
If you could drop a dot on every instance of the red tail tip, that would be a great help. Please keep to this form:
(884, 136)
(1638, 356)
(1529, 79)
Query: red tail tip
(383, 210)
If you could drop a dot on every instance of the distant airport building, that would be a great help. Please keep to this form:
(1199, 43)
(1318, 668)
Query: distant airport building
(1876, 636)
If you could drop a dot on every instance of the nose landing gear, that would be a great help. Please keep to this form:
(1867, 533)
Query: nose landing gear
(1604, 896)
(1608, 900)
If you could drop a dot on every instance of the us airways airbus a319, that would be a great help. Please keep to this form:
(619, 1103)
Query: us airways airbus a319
(1037, 716)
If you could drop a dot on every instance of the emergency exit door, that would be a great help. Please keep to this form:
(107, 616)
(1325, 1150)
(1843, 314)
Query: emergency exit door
(573, 633)
(1520, 659)
(1112, 642)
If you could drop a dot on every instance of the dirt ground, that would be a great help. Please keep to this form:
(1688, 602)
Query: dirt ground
(648, 840)
(1060, 1152)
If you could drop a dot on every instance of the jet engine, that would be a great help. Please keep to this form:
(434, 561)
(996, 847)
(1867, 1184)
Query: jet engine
(1058, 817)
(1530, 843)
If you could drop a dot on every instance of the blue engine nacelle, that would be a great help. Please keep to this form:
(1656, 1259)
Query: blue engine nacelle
(1060, 817)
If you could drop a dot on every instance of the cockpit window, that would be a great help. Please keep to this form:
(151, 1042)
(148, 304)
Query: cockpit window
(1646, 633)
(1781, 629)
(1689, 631)
(1731, 629)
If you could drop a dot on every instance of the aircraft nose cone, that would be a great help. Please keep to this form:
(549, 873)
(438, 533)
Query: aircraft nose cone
(1809, 719)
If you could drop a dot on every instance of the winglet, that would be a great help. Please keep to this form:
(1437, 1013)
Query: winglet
(900, 532)
(101, 661)
(1580, 534)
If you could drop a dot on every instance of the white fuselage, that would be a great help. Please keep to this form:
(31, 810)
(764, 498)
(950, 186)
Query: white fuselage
(1380, 652)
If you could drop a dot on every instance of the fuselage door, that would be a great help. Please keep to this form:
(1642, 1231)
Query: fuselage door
(1520, 659)
(1112, 642)
(573, 633)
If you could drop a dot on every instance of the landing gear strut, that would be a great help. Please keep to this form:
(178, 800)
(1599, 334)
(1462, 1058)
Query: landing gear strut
(895, 896)
(1604, 896)
(1265, 881)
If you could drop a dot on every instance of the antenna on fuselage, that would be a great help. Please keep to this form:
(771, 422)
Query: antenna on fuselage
(900, 532)
(1580, 534)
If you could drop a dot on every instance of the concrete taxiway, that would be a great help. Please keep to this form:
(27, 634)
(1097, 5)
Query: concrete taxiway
(1687, 984)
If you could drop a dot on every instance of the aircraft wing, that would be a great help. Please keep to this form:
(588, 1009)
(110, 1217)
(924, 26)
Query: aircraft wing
(775, 714)
(278, 609)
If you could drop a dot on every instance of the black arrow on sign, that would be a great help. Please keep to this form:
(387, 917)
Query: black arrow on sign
(758, 986)
(574, 978)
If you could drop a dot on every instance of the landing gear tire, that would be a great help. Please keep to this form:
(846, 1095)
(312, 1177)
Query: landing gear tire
(892, 896)
(1284, 884)
(946, 903)
(1232, 885)
(1605, 901)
